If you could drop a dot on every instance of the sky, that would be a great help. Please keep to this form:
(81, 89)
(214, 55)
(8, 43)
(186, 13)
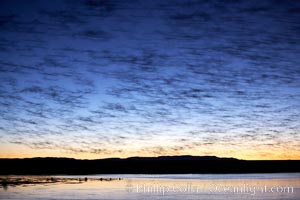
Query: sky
(96, 79)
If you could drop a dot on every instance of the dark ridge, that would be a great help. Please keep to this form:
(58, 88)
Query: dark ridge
(183, 158)
(144, 165)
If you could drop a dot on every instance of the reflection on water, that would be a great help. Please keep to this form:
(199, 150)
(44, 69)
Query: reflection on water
(9, 181)
(251, 186)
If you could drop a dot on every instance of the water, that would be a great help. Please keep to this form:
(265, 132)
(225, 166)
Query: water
(183, 186)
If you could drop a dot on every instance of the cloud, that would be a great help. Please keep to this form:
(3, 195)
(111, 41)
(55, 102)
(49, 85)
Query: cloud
(117, 72)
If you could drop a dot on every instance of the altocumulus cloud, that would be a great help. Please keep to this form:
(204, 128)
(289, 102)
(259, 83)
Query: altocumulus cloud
(172, 77)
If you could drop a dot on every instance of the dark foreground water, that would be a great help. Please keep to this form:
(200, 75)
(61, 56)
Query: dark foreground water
(191, 186)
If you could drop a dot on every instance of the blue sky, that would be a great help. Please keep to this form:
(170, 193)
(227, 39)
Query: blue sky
(93, 79)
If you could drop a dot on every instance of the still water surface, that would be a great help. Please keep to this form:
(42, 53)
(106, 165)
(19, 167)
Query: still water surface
(187, 186)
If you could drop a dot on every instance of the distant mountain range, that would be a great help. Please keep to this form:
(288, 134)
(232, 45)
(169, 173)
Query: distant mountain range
(184, 164)
(182, 157)
(185, 157)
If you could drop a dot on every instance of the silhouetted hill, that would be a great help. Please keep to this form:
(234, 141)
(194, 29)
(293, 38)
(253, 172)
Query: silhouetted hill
(144, 165)
(182, 158)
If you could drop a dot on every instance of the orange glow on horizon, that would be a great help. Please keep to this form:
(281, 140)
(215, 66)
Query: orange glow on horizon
(19, 151)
